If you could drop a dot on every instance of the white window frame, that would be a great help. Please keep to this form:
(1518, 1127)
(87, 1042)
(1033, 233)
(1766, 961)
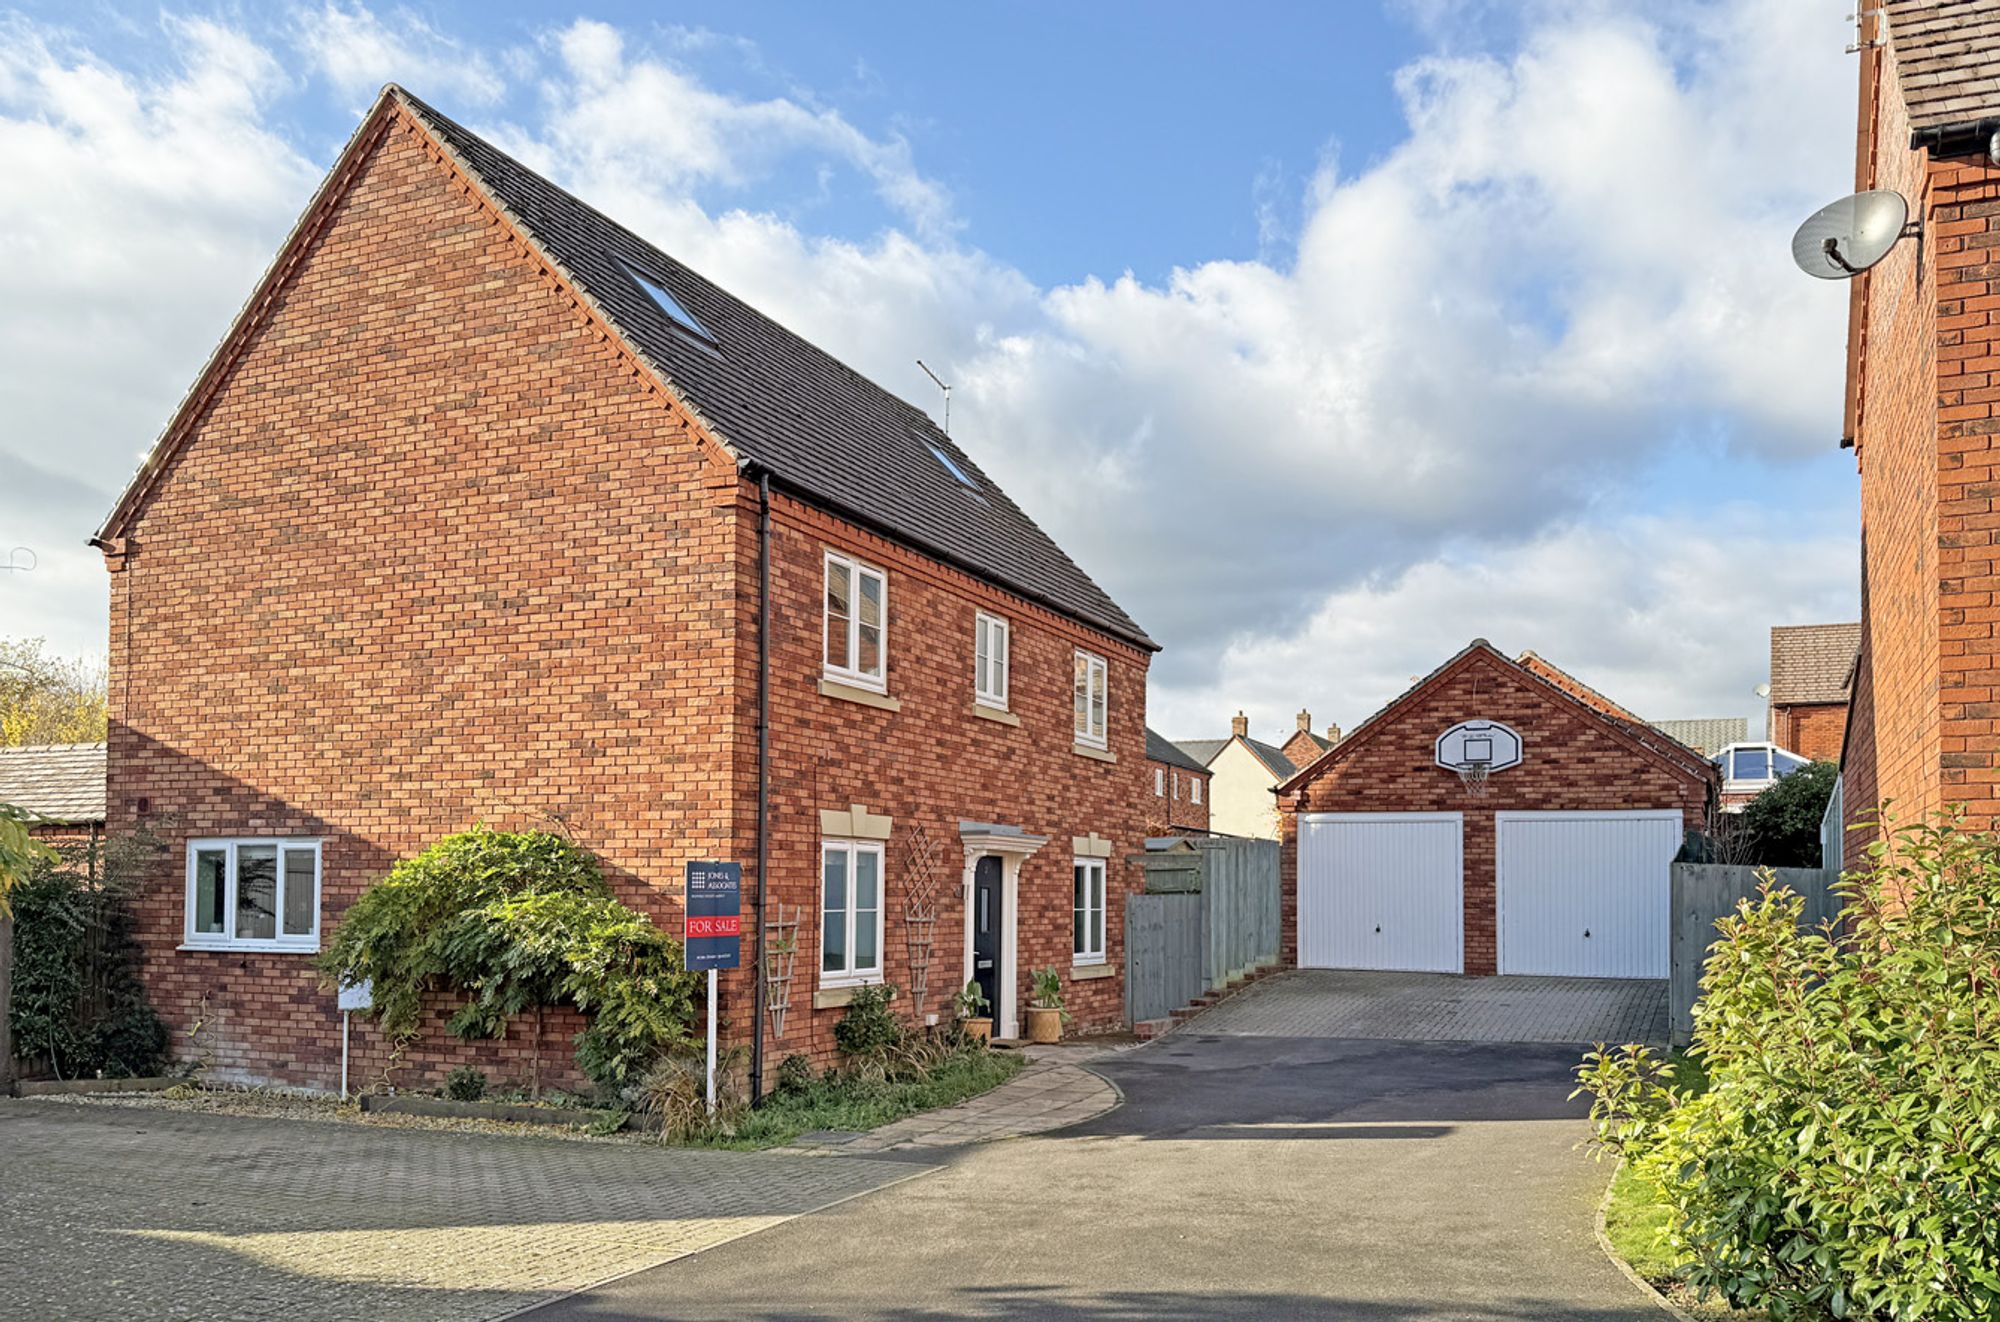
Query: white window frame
(852, 673)
(1082, 953)
(851, 976)
(1194, 790)
(1176, 776)
(227, 939)
(986, 630)
(1159, 782)
(1096, 684)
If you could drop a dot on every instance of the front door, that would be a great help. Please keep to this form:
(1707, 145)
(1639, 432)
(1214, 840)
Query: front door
(986, 952)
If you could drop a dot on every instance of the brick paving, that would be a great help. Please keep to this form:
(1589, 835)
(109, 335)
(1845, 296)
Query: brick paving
(124, 1212)
(1051, 1093)
(1440, 1007)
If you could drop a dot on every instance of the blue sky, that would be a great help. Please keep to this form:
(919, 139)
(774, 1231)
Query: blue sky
(1327, 337)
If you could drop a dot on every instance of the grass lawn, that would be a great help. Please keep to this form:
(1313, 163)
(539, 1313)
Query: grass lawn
(1635, 1221)
(855, 1104)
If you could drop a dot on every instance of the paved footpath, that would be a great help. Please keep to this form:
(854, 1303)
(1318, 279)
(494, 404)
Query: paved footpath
(1443, 1007)
(126, 1212)
(1051, 1093)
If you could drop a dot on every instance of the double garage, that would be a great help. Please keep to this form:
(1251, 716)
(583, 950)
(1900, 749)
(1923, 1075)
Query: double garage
(1497, 818)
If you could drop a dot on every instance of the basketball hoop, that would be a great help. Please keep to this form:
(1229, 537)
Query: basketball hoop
(1473, 776)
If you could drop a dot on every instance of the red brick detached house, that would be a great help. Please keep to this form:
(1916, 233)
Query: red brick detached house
(1559, 865)
(1176, 789)
(1923, 415)
(466, 521)
(1304, 747)
(1812, 669)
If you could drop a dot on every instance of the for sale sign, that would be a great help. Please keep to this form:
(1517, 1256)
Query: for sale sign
(714, 904)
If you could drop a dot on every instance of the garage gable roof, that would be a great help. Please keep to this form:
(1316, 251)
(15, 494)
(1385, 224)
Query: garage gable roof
(1677, 757)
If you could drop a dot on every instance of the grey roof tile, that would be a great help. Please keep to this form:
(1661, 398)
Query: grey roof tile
(1159, 748)
(60, 782)
(1812, 662)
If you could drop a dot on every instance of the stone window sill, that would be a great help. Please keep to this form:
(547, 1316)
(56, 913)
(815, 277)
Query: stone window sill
(1094, 754)
(832, 998)
(833, 688)
(1085, 972)
(999, 714)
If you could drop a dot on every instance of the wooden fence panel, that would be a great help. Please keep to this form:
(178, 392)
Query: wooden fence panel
(1704, 892)
(1163, 954)
(1240, 886)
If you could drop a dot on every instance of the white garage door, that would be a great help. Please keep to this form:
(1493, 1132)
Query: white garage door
(1381, 891)
(1586, 894)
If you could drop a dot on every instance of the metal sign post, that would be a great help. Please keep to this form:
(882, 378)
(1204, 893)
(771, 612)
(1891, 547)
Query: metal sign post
(713, 938)
(353, 996)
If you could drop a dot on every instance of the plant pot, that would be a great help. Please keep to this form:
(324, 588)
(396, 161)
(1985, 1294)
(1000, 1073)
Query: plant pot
(979, 1030)
(1044, 1025)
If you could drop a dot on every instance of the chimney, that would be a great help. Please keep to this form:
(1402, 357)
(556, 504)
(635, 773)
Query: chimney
(1333, 734)
(1239, 726)
(1305, 720)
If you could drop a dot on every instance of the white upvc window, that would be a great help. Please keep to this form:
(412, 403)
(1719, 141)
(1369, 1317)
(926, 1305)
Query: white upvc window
(1092, 693)
(1159, 782)
(990, 638)
(253, 894)
(1087, 929)
(857, 622)
(850, 912)
(1194, 789)
(1177, 786)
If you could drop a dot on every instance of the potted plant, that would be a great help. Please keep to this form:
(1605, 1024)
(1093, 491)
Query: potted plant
(1045, 1011)
(974, 1012)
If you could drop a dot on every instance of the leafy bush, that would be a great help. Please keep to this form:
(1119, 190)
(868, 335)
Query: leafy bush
(77, 997)
(465, 1084)
(518, 921)
(1780, 827)
(869, 1029)
(673, 1096)
(795, 1073)
(1844, 1157)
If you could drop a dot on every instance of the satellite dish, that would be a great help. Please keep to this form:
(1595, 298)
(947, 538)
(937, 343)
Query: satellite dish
(1845, 238)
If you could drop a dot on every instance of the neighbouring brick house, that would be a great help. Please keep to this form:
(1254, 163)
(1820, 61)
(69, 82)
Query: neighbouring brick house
(464, 522)
(1923, 415)
(62, 785)
(1176, 789)
(1242, 773)
(1304, 747)
(1558, 864)
(1812, 669)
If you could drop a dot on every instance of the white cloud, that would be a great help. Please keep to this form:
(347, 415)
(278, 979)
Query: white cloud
(357, 53)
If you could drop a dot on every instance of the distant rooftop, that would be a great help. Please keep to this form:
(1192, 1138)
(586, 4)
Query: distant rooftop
(1707, 735)
(59, 782)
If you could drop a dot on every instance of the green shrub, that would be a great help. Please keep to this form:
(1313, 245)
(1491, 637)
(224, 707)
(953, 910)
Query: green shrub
(869, 1029)
(516, 922)
(465, 1084)
(1780, 827)
(1844, 1157)
(795, 1073)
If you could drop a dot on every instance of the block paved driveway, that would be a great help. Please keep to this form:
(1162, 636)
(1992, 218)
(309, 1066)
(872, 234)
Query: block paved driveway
(1442, 1007)
(1254, 1171)
(122, 1212)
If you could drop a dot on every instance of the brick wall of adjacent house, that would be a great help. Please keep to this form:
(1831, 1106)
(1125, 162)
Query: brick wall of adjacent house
(1572, 761)
(1926, 724)
(933, 763)
(1812, 730)
(434, 556)
(438, 553)
(1170, 803)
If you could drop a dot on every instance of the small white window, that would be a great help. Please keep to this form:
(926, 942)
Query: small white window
(256, 894)
(1159, 782)
(1087, 943)
(1177, 785)
(850, 928)
(857, 622)
(989, 660)
(1091, 693)
(1194, 789)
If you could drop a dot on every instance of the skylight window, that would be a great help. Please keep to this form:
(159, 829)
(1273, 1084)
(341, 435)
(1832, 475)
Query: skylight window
(952, 467)
(667, 303)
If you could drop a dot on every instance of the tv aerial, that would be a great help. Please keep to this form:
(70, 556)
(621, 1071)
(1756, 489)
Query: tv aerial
(1845, 238)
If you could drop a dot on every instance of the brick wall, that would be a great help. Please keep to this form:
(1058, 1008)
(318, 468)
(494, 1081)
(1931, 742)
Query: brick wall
(1172, 807)
(437, 552)
(933, 763)
(1812, 730)
(1572, 761)
(1924, 381)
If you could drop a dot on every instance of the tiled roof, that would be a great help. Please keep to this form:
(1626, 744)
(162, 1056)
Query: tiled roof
(1159, 748)
(1812, 662)
(1576, 688)
(61, 782)
(819, 427)
(1947, 60)
(1708, 735)
(1204, 751)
